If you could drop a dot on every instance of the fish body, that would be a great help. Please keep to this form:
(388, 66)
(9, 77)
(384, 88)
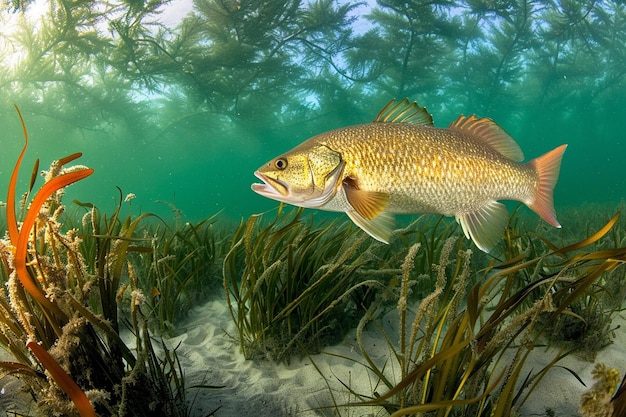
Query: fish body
(401, 163)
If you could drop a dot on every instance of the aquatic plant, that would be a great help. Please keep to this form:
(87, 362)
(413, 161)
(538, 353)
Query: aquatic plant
(431, 233)
(63, 308)
(291, 60)
(269, 69)
(294, 288)
(289, 284)
(182, 269)
(401, 35)
(449, 356)
(596, 402)
(619, 400)
(586, 327)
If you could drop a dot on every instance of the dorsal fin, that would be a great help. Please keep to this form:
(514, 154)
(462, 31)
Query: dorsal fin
(404, 112)
(489, 132)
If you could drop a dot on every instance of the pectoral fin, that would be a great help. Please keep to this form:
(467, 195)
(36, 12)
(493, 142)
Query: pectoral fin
(368, 204)
(486, 225)
(380, 228)
(369, 210)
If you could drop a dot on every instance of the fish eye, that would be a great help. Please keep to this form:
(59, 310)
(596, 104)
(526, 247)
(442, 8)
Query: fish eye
(280, 163)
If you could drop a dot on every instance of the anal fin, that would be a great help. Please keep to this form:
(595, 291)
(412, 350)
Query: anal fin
(486, 225)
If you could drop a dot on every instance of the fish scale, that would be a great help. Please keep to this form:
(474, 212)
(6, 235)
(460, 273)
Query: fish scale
(418, 167)
(401, 163)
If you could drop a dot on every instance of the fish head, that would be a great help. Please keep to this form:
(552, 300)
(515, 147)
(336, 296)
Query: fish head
(305, 176)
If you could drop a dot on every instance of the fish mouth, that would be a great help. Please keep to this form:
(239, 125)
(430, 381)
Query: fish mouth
(271, 187)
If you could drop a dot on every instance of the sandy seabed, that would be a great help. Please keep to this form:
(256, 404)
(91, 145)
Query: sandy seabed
(210, 356)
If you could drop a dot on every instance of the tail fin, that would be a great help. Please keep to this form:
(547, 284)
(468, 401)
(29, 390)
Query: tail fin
(547, 167)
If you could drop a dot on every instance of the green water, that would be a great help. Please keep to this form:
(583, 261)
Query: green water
(179, 104)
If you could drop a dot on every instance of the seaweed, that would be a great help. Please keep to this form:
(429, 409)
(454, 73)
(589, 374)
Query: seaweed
(451, 357)
(182, 269)
(463, 333)
(597, 401)
(63, 307)
(293, 288)
(288, 283)
(289, 61)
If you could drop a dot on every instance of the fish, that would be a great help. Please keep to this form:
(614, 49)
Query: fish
(402, 164)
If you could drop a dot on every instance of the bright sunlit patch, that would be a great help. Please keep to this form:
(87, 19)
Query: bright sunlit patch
(10, 21)
(16, 24)
(9, 54)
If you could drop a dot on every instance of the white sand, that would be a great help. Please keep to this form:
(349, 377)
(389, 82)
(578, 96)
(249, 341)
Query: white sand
(210, 355)
(260, 388)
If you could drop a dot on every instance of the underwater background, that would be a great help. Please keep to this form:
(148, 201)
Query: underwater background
(180, 102)
(107, 309)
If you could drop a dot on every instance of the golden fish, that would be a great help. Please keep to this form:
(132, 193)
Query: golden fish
(401, 163)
